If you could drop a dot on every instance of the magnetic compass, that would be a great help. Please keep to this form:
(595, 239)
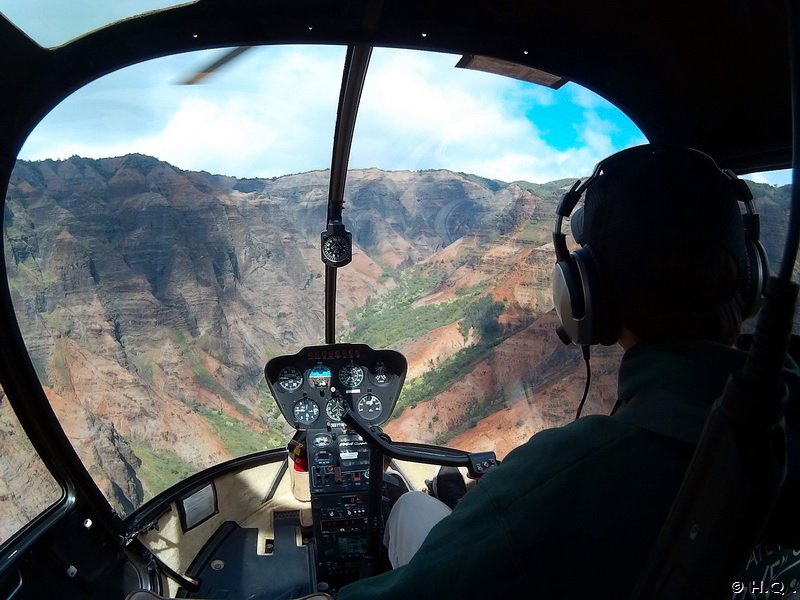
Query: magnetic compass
(337, 245)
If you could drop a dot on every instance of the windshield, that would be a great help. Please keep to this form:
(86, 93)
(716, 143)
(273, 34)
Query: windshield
(54, 22)
(162, 243)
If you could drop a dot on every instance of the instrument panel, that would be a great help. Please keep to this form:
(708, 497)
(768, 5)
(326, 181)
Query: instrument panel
(317, 386)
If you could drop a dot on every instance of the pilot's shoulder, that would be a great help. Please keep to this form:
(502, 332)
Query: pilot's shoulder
(595, 448)
(561, 446)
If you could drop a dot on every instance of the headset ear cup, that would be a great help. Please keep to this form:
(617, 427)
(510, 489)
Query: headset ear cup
(602, 325)
(756, 280)
(568, 296)
(581, 299)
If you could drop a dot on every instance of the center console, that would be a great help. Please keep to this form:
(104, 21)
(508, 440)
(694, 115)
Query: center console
(315, 389)
(338, 464)
(337, 396)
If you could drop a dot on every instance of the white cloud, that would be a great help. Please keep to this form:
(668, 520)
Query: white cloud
(595, 133)
(273, 111)
(585, 98)
(235, 136)
(422, 113)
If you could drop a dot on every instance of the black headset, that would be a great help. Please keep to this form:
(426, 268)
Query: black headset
(581, 295)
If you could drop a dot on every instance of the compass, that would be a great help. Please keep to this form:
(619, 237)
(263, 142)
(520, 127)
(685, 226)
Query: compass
(337, 245)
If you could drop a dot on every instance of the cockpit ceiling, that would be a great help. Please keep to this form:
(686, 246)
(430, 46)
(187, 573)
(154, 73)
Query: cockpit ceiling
(712, 75)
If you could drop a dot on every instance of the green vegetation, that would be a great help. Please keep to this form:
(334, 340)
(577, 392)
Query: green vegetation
(388, 273)
(159, 470)
(491, 184)
(41, 371)
(239, 440)
(445, 374)
(237, 437)
(543, 190)
(476, 413)
(269, 411)
(393, 317)
(60, 365)
(780, 195)
(481, 315)
(144, 370)
(202, 375)
(55, 321)
(537, 231)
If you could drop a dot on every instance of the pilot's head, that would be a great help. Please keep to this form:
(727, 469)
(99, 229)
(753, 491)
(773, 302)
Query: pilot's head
(663, 230)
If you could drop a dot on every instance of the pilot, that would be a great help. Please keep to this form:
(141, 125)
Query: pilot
(667, 271)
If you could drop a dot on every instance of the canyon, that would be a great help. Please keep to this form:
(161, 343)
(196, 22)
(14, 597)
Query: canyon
(150, 298)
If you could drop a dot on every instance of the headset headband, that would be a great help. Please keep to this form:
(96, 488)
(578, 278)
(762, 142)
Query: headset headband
(571, 198)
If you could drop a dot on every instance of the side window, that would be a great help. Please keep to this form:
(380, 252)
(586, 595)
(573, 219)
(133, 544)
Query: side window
(772, 201)
(26, 486)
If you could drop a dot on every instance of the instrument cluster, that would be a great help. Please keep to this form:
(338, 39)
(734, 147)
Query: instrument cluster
(317, 386)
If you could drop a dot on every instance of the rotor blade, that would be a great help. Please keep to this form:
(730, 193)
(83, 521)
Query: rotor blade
(215, 66)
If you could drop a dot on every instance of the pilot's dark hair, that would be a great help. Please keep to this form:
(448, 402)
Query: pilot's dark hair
(666, 231)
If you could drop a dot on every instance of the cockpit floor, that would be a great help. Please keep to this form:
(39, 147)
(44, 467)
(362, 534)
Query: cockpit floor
(232, 566)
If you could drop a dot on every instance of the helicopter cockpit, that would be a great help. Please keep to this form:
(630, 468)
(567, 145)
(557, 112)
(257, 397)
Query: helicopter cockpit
(268, 266)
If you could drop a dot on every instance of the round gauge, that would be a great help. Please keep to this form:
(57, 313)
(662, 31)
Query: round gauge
(381, 377)
(351, 376)
(320, 377)
(321, 440)
(305, 411)
(335, 409)
(290, 378)
(369, 407)
(336, 249)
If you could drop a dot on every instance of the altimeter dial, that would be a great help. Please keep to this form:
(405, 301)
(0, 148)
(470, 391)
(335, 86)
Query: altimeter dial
(369, 407)
(351, 375)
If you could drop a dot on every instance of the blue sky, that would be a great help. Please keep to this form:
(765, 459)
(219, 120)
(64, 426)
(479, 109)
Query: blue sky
(272, 112)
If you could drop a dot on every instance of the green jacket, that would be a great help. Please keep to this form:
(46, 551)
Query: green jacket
(574, 512)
